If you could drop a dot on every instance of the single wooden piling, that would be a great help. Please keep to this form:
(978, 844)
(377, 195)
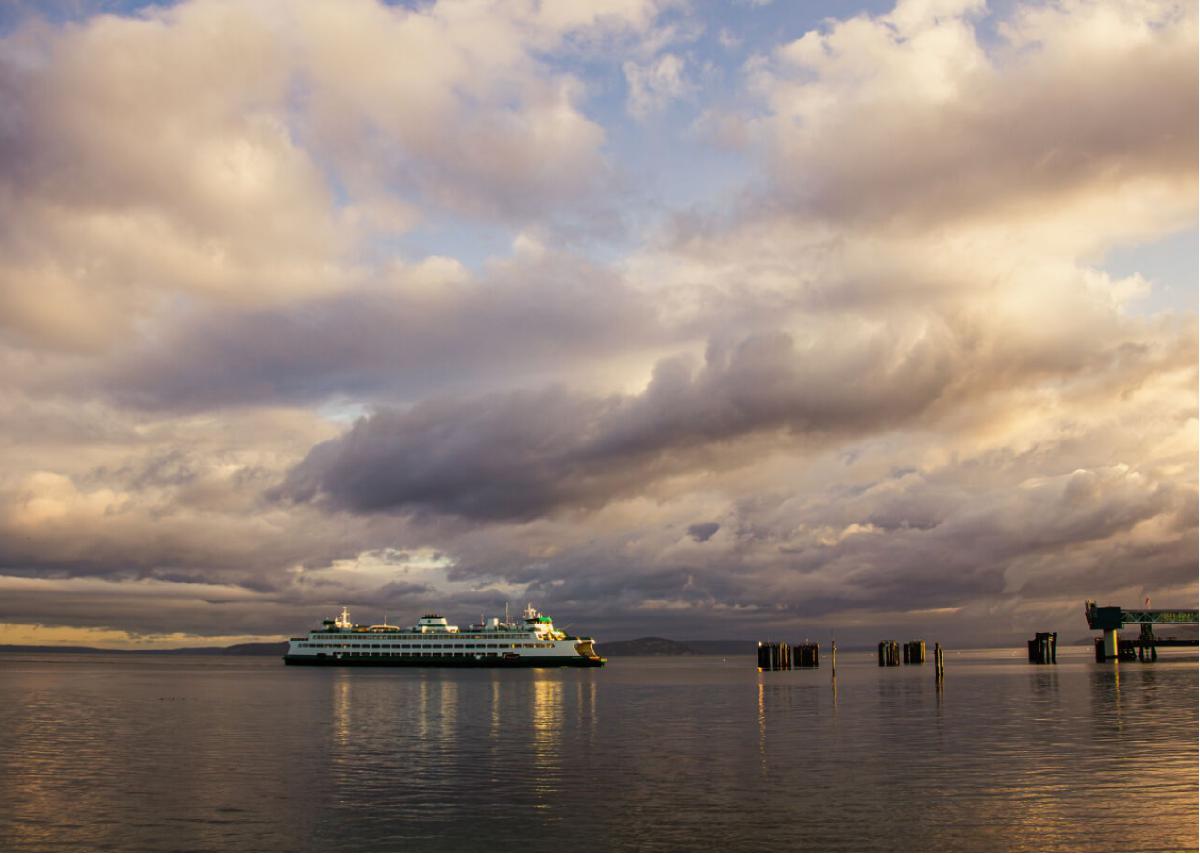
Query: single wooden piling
(939, 665)
(833, 650)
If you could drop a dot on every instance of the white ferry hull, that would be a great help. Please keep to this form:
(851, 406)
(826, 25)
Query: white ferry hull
(346, 660)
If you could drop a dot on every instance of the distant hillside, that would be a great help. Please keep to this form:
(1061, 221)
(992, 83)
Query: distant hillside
(40, 648)
(723, 647)
(650, 646)
(262, 648)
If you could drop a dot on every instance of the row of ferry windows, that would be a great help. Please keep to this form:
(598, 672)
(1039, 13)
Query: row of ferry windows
(456, 635)
(403, 653)
(356, 646)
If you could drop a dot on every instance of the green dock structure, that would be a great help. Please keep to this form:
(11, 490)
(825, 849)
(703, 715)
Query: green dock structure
(1110, 619)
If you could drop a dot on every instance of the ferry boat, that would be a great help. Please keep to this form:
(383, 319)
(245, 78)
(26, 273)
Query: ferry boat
(532, 642)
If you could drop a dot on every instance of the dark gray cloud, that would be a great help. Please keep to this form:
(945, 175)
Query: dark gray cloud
(383, 341)
(897, 549)
(524, 454)
(701, 532)
(799, 561)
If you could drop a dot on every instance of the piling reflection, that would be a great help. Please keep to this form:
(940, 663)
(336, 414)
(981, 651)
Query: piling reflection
(762, 726)
(1106, 708)
(585, 706)
(1043, 685)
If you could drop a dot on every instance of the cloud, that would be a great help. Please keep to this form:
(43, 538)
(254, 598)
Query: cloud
(911, 119)
(860, 366)
(423, 327)
(653, 85)
(259, 148)
(903, 542)
(193, 190)
(520, 455)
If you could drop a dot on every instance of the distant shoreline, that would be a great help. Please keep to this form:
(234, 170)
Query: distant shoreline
(263, 648)
(649, 646)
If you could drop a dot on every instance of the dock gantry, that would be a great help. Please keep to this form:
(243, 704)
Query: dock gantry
(1109, 619)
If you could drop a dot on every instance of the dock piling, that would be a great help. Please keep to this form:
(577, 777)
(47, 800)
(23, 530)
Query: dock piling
(1147, 649)
(807, 655)
(914, 653)
(781, 656)
(1043, 648)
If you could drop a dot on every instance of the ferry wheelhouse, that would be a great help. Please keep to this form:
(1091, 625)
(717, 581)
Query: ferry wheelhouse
(530, 642)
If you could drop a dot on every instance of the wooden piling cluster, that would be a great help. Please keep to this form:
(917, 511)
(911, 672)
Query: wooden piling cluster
(781, 656)
(806, 655)
(774, 657)
(889, 654)
(1043, 648)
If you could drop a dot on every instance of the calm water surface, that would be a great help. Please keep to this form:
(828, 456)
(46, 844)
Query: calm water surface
(167, 752)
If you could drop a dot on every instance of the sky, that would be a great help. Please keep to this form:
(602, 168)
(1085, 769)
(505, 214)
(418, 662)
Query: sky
(693, 319)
